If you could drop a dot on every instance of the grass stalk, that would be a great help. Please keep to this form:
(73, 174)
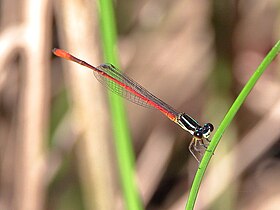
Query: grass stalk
(124, 148)
(225, 123)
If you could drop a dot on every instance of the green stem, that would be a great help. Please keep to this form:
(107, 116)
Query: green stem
(124, 148)
(225, 123)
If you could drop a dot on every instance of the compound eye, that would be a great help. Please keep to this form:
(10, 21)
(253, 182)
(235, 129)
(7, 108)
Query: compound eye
(198, 134)
(209, 126)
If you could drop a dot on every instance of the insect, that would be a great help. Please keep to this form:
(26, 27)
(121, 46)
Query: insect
(122, 85)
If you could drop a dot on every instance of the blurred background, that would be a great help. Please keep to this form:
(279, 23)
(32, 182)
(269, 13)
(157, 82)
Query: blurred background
(57, 149)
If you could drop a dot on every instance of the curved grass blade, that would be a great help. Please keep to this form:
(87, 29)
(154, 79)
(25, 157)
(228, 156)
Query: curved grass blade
(226, 121)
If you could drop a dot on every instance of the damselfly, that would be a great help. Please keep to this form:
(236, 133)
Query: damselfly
(121, 84)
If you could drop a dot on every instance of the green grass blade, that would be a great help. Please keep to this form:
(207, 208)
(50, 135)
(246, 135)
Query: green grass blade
(125, 154)
(225, 123)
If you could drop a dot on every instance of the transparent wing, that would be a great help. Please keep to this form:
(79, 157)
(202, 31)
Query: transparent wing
(122, 85)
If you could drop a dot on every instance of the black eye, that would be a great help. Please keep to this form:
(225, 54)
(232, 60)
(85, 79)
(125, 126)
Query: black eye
(198, 134)
(209, 126)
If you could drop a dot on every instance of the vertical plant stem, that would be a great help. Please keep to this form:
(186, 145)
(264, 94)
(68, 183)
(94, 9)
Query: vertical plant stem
(123, 144)
(226, 121)
(30, 166)
(76, 24)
